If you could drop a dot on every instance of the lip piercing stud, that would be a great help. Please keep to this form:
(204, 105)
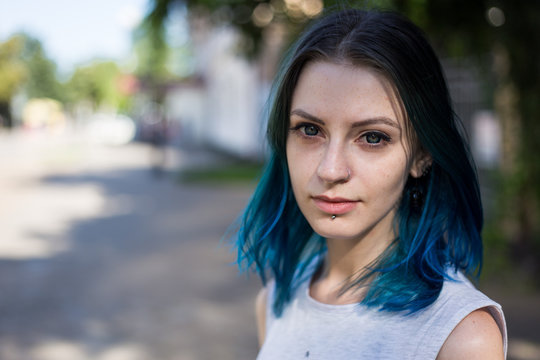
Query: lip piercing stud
(333, 217)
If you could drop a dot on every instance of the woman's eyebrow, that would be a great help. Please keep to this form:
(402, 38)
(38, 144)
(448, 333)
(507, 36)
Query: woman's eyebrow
(377, 120)
(371, 121)
(307, 116)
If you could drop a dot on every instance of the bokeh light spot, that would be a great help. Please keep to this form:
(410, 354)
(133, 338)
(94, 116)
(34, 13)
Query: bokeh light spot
(262, 15)
(495, 16)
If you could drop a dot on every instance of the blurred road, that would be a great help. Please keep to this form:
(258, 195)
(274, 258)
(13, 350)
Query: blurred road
(99, 259)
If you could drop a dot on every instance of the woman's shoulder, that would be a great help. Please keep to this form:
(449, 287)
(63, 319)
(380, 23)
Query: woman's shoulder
(469, 317)
(477, 336)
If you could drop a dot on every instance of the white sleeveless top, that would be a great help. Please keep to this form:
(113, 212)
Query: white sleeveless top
(309, 329)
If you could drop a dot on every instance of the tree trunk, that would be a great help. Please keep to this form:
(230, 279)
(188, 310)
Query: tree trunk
(5, 115)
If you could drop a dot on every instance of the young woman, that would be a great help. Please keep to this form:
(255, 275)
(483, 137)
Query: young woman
(368, 215)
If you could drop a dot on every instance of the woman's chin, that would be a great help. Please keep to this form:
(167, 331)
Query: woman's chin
(332, 229)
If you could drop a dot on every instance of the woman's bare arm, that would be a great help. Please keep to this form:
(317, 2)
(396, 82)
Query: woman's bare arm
(477, 337)
(260, 312)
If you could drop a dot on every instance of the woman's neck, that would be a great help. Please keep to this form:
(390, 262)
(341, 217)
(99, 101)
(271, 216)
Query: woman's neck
(345, 259)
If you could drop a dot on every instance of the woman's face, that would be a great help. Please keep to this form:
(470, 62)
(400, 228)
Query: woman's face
(347, 151)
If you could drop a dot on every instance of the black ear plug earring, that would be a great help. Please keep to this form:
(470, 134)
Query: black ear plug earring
(416, 194)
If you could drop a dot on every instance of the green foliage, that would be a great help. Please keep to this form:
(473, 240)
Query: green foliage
(12, 69)
(152, 53)
(240, 13)
(97, 83)
(24, 67)
(150, 44)
(42, 79)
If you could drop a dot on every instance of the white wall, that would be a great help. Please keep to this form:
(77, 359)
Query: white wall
(233, 102)
(186, 105)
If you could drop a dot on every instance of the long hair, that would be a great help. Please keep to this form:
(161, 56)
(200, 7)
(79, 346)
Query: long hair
(276, 240)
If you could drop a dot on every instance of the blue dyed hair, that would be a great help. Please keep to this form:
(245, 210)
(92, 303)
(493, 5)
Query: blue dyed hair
(276, 239)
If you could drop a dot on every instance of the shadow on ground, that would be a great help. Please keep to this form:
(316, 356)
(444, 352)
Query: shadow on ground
(148, 278)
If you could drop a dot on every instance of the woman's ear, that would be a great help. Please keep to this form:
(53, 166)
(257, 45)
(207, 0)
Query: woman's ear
(421, 163)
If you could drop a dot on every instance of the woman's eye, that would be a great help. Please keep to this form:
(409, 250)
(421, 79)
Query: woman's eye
(307, 130)
(311, 130)
(376, 138)
(373, 138)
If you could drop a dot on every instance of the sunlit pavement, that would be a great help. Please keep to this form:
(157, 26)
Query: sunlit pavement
(100, 259)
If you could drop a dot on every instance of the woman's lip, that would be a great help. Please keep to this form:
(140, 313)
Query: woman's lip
(334, 206)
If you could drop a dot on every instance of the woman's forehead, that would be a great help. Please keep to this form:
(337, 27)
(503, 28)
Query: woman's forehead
(359, 88)
(327, 69)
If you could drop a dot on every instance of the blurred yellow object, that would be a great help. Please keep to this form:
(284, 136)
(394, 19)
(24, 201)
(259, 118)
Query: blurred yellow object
(43, 113)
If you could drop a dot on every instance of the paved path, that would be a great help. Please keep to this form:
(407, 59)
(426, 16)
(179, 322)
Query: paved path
(99, 259)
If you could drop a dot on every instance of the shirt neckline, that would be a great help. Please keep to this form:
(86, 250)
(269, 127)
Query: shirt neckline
(313, 303)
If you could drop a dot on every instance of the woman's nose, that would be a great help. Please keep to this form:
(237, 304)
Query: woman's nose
(333, 167)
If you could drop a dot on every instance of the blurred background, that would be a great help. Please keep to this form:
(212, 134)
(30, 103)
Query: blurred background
(132, 135)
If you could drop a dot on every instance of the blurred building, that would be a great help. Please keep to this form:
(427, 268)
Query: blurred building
(221, 105)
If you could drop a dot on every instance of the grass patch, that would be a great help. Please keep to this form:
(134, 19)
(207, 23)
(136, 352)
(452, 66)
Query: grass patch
(226, 173)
